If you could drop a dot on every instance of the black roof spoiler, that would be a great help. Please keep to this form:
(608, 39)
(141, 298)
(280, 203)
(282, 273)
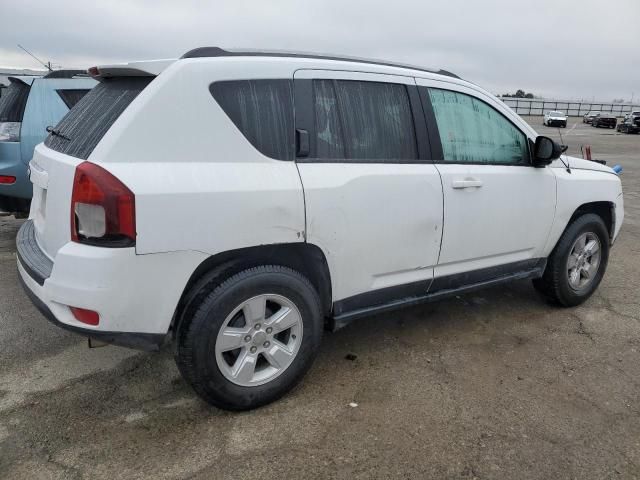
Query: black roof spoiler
(219, 52)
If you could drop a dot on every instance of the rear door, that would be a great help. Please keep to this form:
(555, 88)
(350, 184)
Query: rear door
(498, 209)
(373, 198)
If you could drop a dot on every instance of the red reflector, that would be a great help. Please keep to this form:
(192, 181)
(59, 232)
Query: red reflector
(85, 316)
(7, 179)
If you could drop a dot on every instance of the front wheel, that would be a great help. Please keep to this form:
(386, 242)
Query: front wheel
(577, 263)
(250, 339)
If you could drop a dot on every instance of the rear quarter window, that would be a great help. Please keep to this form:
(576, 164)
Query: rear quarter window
(262, 110)
(82, 128)
(72, 96)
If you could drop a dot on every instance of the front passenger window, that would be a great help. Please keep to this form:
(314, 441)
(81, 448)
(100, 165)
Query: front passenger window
(472, 131)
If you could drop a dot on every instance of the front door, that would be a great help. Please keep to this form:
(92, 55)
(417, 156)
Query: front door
(498, 209)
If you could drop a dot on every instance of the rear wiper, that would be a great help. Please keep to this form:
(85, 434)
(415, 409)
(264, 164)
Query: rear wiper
(55, 132)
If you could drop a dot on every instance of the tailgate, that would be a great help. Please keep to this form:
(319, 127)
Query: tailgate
(52, 176)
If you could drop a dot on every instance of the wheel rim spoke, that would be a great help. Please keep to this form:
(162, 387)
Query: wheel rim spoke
(254, 310)
(245, 367)
(283, 319)
(573, 261)
(231, 338)
(592, 247)
(278, 355)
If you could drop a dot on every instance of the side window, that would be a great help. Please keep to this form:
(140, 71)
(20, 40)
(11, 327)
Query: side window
(72, 96)
(472, 131)
(263, 111)
(356, 121)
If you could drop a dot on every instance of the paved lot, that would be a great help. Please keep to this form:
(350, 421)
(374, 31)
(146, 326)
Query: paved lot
(495, 384)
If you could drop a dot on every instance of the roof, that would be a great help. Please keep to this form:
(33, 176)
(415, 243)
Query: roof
(219, 52)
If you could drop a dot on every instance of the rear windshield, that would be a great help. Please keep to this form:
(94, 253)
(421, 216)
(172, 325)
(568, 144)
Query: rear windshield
(13, 101)
(82, 128)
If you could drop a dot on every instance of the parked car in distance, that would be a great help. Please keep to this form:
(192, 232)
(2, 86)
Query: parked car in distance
(633, 113)
(27, 107)
(604, 120)
(630, 124)
(588, 118)
(244, 230)
(554, 119)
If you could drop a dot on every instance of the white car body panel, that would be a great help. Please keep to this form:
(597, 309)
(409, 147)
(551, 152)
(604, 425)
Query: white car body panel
(202, 189)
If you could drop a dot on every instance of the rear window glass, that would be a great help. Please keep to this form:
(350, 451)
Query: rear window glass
(82, 128)
(72, 96)
(263, 111)
(13, 101)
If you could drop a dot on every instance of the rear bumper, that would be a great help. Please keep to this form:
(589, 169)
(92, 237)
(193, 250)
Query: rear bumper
(134, 295)
(139, 341)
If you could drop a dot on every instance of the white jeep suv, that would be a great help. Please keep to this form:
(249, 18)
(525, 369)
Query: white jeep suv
(239, 202)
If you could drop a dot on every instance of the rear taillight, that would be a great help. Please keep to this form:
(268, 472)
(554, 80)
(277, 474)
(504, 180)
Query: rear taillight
(102, 209)
(7, 179)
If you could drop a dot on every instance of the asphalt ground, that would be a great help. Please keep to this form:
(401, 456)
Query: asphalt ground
(495, 384)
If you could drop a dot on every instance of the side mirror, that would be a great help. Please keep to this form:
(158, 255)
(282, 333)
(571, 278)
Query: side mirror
(545, 151)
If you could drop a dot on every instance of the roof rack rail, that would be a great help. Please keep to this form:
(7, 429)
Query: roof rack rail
(219, 52)
(65, 73)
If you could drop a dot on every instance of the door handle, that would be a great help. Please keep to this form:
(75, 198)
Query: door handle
(467, 183)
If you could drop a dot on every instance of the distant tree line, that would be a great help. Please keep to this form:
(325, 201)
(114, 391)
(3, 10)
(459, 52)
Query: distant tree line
(519, 94)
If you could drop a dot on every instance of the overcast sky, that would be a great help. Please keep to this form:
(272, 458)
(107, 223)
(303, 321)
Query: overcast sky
(561, 48)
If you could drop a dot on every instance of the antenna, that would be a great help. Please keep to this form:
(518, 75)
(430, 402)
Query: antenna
(564, 149)
(46, 65)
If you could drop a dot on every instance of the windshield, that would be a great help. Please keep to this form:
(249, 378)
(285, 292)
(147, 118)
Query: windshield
(593, 113)
(13, 101)
(556, 114)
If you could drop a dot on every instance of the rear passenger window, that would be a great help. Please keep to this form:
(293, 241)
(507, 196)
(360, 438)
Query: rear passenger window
(263, 111)
(471, 131)
(363, 121)
(72, 96)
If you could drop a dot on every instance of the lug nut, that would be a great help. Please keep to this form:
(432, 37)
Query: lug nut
(257, 326)
(266, 344)
(253, 349)
(247, 338)
(269, 330)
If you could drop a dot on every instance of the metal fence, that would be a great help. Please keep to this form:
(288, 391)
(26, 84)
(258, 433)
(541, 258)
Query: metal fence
(539, 106)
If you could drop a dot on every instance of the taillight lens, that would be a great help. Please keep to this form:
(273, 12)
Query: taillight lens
(102, 209)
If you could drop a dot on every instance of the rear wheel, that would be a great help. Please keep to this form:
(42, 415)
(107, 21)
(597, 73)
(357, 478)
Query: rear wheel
(250, 339)
(577, 263)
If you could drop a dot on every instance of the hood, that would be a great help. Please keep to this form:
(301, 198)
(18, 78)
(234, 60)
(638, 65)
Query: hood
(558, 117)
(578, 163)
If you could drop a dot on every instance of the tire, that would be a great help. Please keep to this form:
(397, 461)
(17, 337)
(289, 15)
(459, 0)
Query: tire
(209, 369)
(555, 282)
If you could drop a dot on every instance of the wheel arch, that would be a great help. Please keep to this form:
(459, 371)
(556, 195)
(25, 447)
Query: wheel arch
(306, 258)
(604, 209)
